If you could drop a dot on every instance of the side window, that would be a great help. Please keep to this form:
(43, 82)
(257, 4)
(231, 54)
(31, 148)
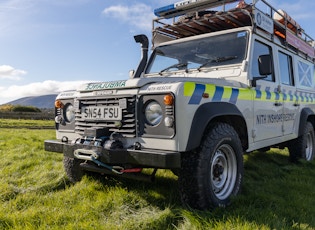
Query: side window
(285, 67)
(305, 72)
(260, 49)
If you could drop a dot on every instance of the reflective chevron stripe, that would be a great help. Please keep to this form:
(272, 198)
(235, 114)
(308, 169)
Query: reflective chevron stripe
(224, 93)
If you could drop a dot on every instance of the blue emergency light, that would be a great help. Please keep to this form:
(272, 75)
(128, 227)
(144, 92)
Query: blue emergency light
(163, 10)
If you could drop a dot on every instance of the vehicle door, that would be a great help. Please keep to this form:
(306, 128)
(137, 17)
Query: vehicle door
(268, 106)
(288, 90)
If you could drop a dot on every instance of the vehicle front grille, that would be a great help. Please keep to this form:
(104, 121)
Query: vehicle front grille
(127, 125)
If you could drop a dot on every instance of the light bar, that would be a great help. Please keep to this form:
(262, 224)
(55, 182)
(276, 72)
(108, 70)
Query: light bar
(163, 10)
(181, 7)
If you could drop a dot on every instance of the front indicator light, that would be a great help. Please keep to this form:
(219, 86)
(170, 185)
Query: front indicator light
(59, 104)
(168, 99)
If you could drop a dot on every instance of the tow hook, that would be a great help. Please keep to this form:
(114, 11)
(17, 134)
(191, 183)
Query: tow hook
(113, 169)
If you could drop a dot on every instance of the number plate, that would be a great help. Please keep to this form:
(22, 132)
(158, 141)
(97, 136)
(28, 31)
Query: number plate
(108, 113)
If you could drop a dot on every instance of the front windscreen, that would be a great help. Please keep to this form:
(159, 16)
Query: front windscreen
(224, 49)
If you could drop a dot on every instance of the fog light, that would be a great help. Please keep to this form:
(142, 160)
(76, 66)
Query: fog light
(118, 124)
(168, 121)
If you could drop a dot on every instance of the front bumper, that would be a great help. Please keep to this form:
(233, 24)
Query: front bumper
(145, 157)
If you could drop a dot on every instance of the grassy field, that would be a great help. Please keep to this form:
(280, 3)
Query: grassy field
(29, 124)
(35, 194)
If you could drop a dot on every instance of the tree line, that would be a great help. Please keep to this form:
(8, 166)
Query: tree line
(9, 111)
(19, 108)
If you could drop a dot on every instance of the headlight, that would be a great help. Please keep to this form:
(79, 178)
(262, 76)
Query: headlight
(69, 113)
(153, 113)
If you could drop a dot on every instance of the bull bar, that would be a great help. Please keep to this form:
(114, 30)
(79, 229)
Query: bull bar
(150, 158)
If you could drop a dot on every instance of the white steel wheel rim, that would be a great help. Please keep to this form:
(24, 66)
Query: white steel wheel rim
(309, 146)
(223, 171)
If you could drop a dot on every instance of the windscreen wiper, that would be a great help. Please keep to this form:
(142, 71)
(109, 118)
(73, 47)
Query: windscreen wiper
(217, 60)
(178, 66)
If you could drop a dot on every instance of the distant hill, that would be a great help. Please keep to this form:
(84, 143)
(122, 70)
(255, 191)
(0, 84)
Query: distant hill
(42, 102)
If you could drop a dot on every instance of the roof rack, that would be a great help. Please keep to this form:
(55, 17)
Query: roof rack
(193, 17)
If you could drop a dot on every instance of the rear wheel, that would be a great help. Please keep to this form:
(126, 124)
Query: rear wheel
(212, 175)
(304, 146)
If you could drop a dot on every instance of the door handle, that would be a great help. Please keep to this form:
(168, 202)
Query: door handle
(278, 104)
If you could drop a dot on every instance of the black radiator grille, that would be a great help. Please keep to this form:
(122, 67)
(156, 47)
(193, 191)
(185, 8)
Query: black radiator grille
(127, 126)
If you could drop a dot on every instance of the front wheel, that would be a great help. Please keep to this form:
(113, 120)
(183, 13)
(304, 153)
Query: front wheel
(213, 174)
(72, 168)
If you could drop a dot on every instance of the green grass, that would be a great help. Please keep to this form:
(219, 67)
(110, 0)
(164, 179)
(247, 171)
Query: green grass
(35, 194)
(29, 124)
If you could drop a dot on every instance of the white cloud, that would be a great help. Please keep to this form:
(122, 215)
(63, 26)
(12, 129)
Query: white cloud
(8, 72)
(36, 89)
(138, 15)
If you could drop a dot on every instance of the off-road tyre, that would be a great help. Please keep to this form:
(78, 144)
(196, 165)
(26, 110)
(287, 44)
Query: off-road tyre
(304, 146)
(72, 168)
(211, 175)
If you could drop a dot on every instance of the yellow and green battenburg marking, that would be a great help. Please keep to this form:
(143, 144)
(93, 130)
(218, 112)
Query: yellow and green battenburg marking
(217, 93)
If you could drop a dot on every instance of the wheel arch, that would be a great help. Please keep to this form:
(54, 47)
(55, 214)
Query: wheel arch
(307, 115)
(216, 112)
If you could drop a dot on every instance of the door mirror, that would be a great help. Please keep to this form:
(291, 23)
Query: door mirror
(265, 68)
(264, 65)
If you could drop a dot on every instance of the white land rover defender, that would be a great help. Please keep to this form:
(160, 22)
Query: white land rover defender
(218, 84)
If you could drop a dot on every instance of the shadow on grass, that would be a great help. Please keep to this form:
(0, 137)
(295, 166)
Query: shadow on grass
(162, 192)
(276, 194)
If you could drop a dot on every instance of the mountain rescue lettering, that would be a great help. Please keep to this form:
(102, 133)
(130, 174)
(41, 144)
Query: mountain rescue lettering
(274, 118)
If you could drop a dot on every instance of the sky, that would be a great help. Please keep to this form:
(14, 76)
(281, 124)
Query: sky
(48, 46)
